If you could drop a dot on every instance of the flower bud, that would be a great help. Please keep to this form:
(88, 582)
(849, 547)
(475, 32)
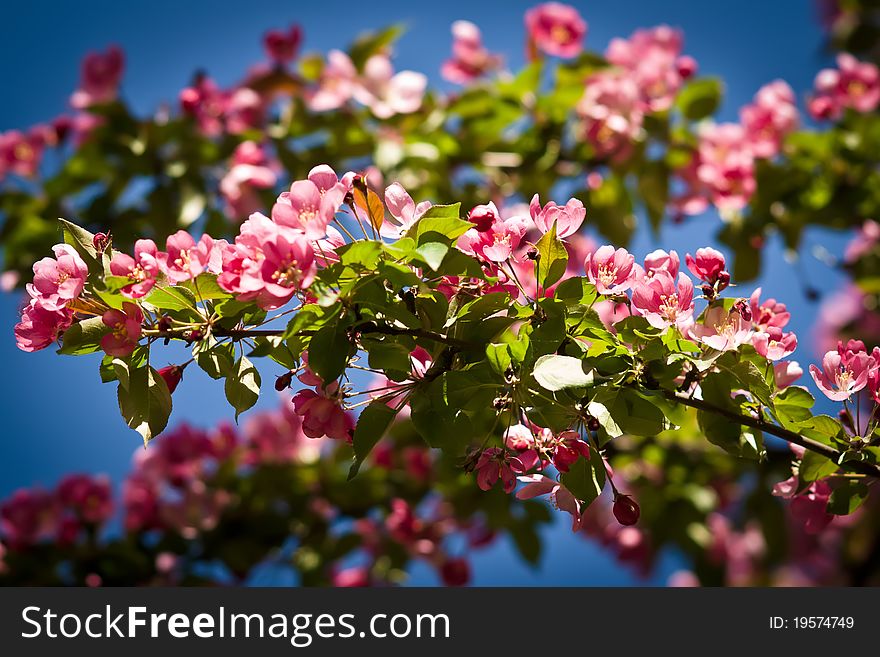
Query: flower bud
(455, 572)
(172, 375)
(593, 423)
(708, 291)
(283, 381)
(483, 216)
(686, 67)
(723, 280)
(101, 241)
(742, 307)
(626, 510)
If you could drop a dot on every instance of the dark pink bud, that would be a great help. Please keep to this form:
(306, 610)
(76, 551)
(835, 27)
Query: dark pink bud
(172, 375)
(723, 280)
(189, 100)
(626, 510)
(283, 381)
(101, 241)
(455, 572)
(742, 307)
(686, 66)
(483, 216)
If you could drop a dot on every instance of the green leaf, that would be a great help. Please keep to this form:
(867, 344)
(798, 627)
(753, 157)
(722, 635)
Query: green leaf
(586, 477)
(554, 373)
(144, 399)
(206, 287)
(372, 424)
(217, 360)
(328, 352)
(441, 223)
(793, 404)
(553, 258)
(699, 98)
(815, 466)
(433, 254)
(173, 297)
(363, 253)
(847, 497)
(632, 413)
(603, 415)
(83, 241)
(84, 337)
(242, 386)
(370, 43)
(499, 357)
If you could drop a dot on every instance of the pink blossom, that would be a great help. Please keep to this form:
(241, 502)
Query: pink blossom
(519, 437)
(568, 449)
(853, 85)
(726, 165)
(768, 313)
(773, 344)
(863, 242)
(141, 270)
(268, 263)
(660, 260)
(355, 577)
(537, 485)
(322, 413)
(556, 29)
(721, 329)
(495, 464)
(611, 113)
(125, 330)
(484, 216)
(567, 218)
(100, 76)
(842, 374)
(27, 517)
(610, 270)
(336, 84)
(771, 116)
(243, 110)
(786, 372)
(470, 59)
(60, 279)
(496, 244)
(402, 209)
(652, 59)
(140, 499)
(663, 302)
(308, 206)
(39, 327)
(90, 497)
(282, 45)
(250, 172)
(707, 265)
(275, 438)
(205, 102)
(185, 258)
(387, 93)
(21, 153)
(810, 507)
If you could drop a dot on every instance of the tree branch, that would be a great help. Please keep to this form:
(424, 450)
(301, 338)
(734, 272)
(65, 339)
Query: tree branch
(775, 430)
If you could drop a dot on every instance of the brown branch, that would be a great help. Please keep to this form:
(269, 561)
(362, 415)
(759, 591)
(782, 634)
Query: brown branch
(869, 469)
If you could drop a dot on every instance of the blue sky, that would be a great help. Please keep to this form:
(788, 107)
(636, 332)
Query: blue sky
(58, 415)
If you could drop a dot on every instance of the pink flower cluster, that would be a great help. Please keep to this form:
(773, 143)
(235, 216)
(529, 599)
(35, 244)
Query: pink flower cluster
(470, 59)
(722, 170)
(847, 370)
(99, 79)
(852, 85)
(218, 111)
(33, 515)
(556, 29)
(378, 87)
(57, 282)
(648, 71)
(250, 172)
(321, 409)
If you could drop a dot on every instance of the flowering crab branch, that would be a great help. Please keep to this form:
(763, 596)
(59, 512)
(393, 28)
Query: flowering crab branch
(507, 336)
(869, 469)
(368, 328)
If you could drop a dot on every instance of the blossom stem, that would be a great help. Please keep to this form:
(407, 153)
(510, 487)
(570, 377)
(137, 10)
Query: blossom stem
(827, 451)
